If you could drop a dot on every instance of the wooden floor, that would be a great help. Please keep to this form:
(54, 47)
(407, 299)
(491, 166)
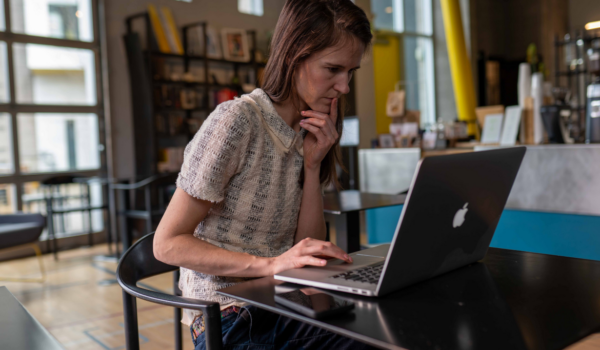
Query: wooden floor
(80, 303)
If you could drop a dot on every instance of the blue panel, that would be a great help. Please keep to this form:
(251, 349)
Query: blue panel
(576, 236)
(381, 224)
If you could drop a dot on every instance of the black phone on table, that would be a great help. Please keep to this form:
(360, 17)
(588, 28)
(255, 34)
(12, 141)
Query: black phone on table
(313, 303)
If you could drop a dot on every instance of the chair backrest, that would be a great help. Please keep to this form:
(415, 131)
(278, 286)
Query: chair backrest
(60, 179)
(139, 262)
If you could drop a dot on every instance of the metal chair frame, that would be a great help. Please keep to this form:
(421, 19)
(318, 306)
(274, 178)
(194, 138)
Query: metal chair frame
(137, 263)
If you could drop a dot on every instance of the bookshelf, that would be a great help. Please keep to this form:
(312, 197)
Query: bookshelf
(172, 93)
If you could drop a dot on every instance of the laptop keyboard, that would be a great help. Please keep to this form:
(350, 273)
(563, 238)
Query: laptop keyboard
(369, 274)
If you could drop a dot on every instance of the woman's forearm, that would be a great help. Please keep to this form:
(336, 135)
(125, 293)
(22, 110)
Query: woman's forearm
(198, 255)
(311, 222)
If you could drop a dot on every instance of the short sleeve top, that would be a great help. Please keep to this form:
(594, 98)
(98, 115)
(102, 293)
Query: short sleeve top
(247, 161)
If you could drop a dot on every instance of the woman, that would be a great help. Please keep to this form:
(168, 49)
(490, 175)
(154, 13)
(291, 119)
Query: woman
(249, 196)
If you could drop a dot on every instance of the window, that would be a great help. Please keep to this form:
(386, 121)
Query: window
(412, 21)
(51, 142)
(51, 113)
(6, 199)
(6, 162)
(63, 19)
(251, 7)
(54, 75)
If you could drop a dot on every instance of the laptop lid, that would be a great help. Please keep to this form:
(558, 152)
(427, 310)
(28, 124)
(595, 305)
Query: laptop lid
(450, 214)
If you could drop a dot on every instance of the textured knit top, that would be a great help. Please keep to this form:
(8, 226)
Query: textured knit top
(247, 161)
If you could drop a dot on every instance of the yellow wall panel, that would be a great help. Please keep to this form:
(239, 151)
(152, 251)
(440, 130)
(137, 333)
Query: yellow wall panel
(386, 66)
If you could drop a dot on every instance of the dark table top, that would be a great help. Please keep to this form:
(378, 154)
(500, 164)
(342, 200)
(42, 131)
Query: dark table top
(351, 200)
(509, 300)
(19, 330)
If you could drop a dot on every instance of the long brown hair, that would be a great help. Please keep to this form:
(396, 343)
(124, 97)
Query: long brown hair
(304, 28)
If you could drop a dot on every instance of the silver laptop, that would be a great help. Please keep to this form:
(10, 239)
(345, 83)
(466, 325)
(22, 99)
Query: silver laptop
(448, 220)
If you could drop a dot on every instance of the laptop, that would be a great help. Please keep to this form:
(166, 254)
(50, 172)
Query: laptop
(449, 217)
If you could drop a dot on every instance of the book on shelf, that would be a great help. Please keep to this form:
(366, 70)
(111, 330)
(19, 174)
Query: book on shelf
(171, 30)
(157, 28)
(195, 41)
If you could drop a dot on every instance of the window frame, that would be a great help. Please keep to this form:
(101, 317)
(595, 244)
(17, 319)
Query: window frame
(410, 34)
(101, 109)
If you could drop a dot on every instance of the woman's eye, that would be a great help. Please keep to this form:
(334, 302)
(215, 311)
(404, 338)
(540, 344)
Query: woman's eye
(332, 69)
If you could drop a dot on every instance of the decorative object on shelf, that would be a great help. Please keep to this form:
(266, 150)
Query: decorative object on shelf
(527, 123)
(524, 87)
(235, 45)
(213, 44)
(188, 99)
(395, 103)
(537, 82)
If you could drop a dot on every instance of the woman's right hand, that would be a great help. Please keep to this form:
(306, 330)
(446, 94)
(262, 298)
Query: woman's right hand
(308, 252)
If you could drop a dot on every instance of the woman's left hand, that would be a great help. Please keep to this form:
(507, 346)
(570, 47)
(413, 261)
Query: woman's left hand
(322, 135)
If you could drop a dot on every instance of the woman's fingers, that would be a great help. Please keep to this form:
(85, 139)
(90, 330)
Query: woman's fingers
(318, 132)
(320, 125)
(327, 121)
(333, 110)
(312, 261)
(323, 248)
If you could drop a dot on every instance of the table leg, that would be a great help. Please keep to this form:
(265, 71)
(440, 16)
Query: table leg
(347, 231)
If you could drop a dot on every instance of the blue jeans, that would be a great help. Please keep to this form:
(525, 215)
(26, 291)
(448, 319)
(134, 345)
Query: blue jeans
(257, 329)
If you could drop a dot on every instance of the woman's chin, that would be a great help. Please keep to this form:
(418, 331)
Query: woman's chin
(321, 107)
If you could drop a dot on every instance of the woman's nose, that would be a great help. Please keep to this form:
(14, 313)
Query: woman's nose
(342, 86)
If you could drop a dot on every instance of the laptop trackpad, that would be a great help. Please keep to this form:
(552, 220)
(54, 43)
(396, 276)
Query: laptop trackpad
(333, 267)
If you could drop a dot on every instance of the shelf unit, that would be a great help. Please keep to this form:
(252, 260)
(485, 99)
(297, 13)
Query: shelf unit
(148, 105)
(578, 79)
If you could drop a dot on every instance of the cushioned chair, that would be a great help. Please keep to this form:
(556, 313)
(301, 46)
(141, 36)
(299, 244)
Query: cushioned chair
(19, 231)
(137, 263)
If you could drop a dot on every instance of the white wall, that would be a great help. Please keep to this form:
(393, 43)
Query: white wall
(221, 13)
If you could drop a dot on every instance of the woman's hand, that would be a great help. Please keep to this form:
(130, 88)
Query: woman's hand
(308, 251)
(322, 135)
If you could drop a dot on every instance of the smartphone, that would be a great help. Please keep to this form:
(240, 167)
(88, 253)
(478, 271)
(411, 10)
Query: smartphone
(313, 303)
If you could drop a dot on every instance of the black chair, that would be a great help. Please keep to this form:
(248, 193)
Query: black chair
(59, 203)
(19, 231)
(137, 263)
(155, 195)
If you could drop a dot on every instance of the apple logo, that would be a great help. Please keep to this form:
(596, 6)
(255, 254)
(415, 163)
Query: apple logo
(459, 217)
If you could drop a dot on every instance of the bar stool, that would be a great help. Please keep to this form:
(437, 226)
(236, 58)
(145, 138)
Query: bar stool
(57, 205)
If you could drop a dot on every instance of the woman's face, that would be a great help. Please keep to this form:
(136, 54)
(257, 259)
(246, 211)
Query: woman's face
(325, 75)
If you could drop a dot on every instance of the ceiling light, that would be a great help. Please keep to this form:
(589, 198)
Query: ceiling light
(592, 25)
(78, 14)
(389, 9)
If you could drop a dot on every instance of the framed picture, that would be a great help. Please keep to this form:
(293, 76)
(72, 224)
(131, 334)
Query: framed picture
(235, 45)
(213, 44)
(386, 141)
